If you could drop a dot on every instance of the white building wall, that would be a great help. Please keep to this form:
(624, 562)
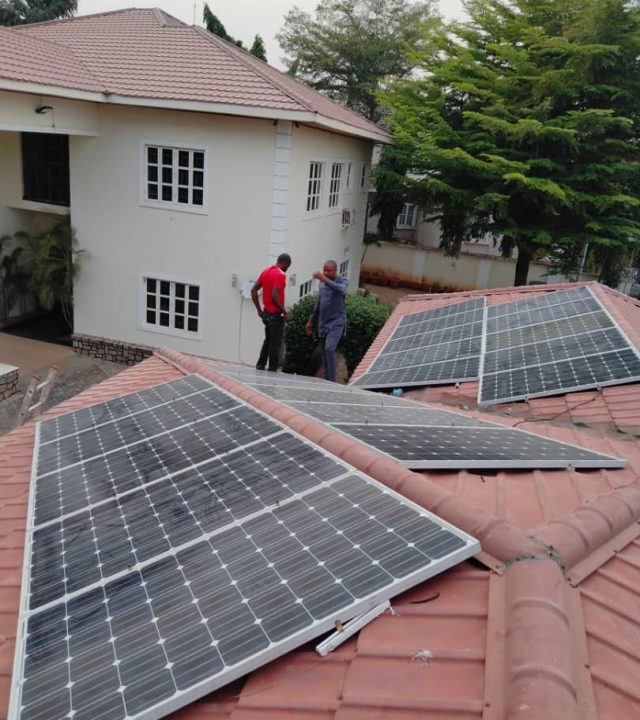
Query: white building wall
(257, 174)
(316, 236)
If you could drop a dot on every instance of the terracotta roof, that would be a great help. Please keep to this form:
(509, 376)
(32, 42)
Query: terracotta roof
(545, 626)
(148, 54)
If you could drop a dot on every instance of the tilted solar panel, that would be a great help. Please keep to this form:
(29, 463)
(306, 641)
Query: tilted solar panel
(418, 435)
(432, 347)
(178, 538)
(555, 343)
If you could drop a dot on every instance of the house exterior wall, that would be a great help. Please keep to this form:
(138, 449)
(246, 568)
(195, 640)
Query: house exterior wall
(257, 178)
(316, 236)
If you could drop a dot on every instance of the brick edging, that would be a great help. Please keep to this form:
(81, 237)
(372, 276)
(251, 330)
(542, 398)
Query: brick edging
(111, 350)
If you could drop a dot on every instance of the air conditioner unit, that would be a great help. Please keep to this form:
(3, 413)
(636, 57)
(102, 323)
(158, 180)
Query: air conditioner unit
(348, 217)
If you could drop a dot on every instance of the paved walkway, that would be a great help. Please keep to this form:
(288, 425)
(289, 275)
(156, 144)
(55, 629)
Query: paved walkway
(33, 357)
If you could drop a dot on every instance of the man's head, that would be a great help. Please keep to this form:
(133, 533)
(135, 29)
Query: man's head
(330, 269)
(284, 261)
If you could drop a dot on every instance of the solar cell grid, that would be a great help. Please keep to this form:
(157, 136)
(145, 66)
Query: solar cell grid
(196, 554)
(545, 300)
(441, 312)
(430, 325)
(535, 316)
(442, 373)
(440, 337)
(434, 353)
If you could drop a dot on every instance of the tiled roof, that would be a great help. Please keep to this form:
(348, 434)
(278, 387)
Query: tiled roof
(148, 54)
(544, 627)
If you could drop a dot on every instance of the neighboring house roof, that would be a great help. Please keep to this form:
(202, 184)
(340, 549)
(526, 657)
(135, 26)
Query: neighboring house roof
(544, 627)
(147, 57)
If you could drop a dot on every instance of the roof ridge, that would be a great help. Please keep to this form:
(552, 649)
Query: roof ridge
(240, 53)
(74, 18)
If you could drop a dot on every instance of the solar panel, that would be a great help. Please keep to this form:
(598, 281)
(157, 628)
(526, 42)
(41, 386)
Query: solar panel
(421, 436)
(432, 347)
(165, 559)
(555, 343)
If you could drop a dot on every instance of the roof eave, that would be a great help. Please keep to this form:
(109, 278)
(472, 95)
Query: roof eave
(299, 116)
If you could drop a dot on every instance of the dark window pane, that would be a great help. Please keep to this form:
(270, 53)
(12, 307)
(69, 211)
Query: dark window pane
(183, 177)
(180, 306)
(152, 191)
(164, 303)
(180, 290)
(151, 302)
(153, 173)
(151, 317)
(193, 308)
(152, 155)
(183, 160)
(167, 193)
(197, 197)
(192, 325)
(164, 319)
(167, 175)
(167, 156)
(183, 195)
(198, 160)
(179, 322)
(164, 287)
(151, 285)
(194, 292)
(45, 168)
(198, 178)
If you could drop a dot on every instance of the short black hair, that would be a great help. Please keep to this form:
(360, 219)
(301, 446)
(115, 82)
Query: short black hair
(284, 258)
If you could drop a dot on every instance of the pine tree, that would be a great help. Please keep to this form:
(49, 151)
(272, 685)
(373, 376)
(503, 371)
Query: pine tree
(258, 49)
(524, 125)
(215, 26)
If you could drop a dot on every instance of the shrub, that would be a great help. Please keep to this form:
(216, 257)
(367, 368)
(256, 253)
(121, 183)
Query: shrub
(365, 318)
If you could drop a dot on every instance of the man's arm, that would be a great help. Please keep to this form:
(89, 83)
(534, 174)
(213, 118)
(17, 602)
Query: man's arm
(313, 317)
(275, 298)
(254, 296)
(339, 284)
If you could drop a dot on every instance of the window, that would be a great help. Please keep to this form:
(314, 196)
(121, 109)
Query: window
(315, 186)
(334, 185)
(343, 270)
(45, 168)
(172, 305)
(306, 288)
(174, 177)
(364, 178)
(349, 183)
(406, 217)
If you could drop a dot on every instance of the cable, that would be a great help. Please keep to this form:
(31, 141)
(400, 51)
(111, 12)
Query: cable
(562, 412)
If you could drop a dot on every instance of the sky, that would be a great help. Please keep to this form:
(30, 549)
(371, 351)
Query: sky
(242, 18)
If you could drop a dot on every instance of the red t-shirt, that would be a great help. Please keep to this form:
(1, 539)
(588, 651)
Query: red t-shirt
(269, 278)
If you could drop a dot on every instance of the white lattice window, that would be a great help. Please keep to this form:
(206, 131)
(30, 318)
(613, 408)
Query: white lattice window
(174, 177)
(406, 218)
(364, 178)
(171, 306)
(343, 270)
(334, 185)
(314, 189)
(306, 288)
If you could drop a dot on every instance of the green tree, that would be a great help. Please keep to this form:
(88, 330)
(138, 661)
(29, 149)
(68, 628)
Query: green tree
(215, 26)
(258, 49)
(20, 12)
(524, 125)
(349, 48)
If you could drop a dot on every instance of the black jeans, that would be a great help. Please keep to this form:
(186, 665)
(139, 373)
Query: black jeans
(273, 331)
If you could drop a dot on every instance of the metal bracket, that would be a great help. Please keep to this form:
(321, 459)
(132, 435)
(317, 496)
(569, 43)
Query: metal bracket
(344, 632)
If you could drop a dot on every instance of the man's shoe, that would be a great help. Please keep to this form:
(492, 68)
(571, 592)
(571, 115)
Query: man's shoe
(260, 367)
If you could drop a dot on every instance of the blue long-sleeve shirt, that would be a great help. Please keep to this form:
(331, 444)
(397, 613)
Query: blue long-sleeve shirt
(329, 311)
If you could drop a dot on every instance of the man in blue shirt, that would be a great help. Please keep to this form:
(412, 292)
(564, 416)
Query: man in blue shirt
(329, 314)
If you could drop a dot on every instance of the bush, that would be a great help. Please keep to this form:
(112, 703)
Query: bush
(365, 318)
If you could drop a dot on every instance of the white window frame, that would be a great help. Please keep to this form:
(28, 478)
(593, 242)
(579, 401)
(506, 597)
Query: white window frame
(403, 217)
(305, 289)
(335, 185)
(348, 188)
(343, 269)
(315, 183)
(161, 329)
(173, 205)
(364, 178)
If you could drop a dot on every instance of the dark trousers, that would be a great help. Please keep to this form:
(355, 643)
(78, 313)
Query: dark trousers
(330, 342)
(273, 331)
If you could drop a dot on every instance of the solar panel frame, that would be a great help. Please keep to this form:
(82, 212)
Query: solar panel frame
(582, 293)
(182, 698)
(428, 377)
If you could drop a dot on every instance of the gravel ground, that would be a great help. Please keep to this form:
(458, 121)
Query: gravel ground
(77, 373)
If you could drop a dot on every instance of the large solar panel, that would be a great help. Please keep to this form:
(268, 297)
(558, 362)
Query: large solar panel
(554, 343)
(417, 435)
(432, 347)
(179, 538)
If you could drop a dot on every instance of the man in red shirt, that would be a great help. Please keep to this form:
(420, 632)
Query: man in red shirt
(272, 281)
